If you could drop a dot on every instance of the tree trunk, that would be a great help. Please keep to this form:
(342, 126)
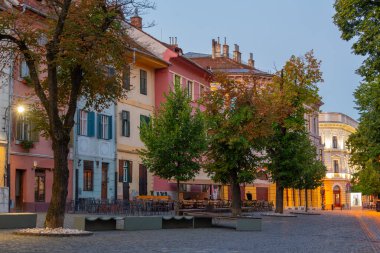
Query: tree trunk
(306, 199)
(279, 198)
(236, 199)
(177, 206)
(56, 213)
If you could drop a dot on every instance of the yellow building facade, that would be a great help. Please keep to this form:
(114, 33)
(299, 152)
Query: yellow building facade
(335, 128)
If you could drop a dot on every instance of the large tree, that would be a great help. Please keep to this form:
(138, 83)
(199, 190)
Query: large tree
(67, 46)
(359, 20)
(296, 86)
(312, 169)
(239, 115)
(174, 139)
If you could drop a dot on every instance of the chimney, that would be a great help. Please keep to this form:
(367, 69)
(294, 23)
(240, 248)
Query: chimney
(251, 62)
(237, 54)
(173, 41)
(218, 49)
(136, 20)
(213, 43)
(226, 49)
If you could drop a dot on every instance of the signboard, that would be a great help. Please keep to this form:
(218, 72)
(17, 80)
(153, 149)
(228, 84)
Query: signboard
(4, 199)
(356, 199)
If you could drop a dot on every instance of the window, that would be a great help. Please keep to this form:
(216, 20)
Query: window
(39, 185)
(83, 122)
(321, 154)
(127, 78)
(336, 166)
(177, 79)
(144, 119)
(86, 126)
(125, 124)
(24, 70)
(315, 125)
(190, 89)
(335, 142)
(24, 129)
(104, 127)
(111, 72)
(143, 82)
(125, 171)
(201, 90)
(88, 175)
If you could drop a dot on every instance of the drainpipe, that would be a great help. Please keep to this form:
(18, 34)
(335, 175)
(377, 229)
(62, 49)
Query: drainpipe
(115, 159)
(9, 131)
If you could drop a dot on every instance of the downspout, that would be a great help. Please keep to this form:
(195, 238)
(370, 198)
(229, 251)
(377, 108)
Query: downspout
(115, 159)
(9, 131)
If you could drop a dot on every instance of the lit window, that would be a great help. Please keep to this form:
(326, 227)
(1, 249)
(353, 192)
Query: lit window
(88, 175)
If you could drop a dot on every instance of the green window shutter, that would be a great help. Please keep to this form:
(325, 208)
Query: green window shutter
(130, 167)
(78, 122)
(127, 78)
(109, 127)
(90, 124)
(99, 126)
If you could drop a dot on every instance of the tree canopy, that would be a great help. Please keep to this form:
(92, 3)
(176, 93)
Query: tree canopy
(73, 50)
(174, 139)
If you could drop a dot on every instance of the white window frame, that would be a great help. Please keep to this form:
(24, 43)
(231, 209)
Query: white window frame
(83, 122)
(104, 125)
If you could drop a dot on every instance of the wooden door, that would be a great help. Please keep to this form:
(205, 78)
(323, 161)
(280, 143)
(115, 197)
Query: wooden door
(262, 193)
(104, 180)
(336, 192)
(19, 190)
(143, 180)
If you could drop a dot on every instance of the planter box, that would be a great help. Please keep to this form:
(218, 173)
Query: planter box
(18, 220)
(133, 223)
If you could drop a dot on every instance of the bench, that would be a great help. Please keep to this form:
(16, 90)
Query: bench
(96, 223)
(243, 223)
(18, 220)
(177, 222)
(133, 223)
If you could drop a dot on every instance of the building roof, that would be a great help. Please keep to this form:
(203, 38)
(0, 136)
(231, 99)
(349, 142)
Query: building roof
(337, 117)
(224, 64)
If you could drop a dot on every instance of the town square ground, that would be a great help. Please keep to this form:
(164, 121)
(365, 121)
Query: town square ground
(332, 231)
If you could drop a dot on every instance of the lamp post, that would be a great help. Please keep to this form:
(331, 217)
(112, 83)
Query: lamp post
(8, 129)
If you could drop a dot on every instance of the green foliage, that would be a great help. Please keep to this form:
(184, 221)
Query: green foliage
(26, 144)
(238, 119)
(367, 180)
(297, 90)
(174, 139)
(359, 20)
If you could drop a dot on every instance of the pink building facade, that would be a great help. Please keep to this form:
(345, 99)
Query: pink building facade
(31, 155)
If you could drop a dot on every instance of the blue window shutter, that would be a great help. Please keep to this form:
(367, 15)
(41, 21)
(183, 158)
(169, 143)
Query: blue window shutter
(91, 124)
(99, 126)
(109, 127)
(78, 122)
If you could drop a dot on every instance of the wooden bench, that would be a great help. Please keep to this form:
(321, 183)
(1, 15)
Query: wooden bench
(96, 223)
(18, 220)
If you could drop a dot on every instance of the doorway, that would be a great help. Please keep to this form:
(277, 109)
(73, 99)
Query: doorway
(262, 193)
(143, 180)
(104, 180)
(19, 190)
(336, 194)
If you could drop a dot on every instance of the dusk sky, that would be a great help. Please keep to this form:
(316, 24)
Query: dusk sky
(272, 30)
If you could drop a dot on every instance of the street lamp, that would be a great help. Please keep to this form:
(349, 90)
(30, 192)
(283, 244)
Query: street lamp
(20, 109)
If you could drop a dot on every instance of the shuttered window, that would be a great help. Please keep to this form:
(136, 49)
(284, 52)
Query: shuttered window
(104, 127)
(125, 124)
(125, 171)
(143, 82)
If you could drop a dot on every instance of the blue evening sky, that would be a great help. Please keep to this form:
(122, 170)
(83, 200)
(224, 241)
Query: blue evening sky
(272, 30)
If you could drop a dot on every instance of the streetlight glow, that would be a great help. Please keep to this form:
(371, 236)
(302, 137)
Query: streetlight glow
(20, 109)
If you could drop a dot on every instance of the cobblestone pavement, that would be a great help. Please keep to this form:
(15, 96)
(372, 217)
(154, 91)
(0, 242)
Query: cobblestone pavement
(337, 231)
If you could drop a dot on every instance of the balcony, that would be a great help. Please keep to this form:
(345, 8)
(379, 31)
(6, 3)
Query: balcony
(345, 176)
